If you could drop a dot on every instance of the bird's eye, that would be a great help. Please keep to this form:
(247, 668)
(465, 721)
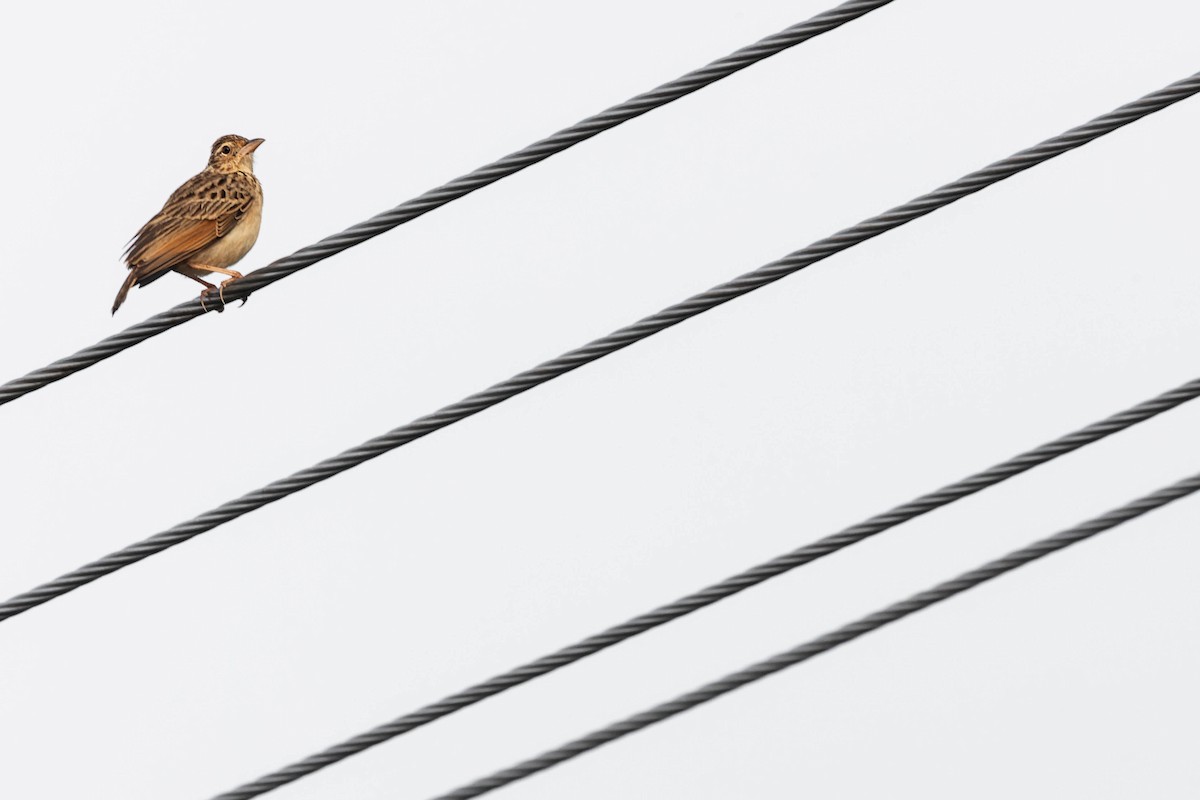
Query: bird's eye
(226, 150)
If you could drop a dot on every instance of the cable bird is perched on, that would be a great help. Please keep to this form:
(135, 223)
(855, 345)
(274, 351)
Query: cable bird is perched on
(207, 225)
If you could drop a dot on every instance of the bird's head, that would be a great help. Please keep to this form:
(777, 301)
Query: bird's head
(233, 153)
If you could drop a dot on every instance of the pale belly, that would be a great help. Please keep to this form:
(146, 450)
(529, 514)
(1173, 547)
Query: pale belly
(233, 246)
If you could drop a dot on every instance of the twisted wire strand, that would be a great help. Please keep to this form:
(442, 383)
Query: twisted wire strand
(718, 591)
(623, 337)
(823, 644)
(436, 198)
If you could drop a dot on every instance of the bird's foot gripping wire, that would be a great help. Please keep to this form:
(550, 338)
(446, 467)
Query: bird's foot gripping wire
(207, 288)
(221, 289)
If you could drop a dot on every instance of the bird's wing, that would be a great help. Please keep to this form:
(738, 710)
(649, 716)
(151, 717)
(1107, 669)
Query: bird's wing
(200, 211)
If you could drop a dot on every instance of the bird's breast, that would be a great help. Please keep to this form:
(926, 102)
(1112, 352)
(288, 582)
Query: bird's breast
(233, 246)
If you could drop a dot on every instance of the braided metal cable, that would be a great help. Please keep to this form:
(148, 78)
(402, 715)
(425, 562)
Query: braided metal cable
(829, 641)
(718, 591)
(436, 198)
(648, 326)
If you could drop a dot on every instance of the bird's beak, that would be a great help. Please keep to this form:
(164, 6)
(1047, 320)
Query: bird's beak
(250, 146)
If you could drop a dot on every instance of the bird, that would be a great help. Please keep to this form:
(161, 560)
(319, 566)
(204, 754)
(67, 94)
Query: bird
(206, 226)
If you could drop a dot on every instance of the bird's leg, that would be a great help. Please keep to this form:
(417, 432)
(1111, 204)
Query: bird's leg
(203, 291)
(232, 273)
(221, 289)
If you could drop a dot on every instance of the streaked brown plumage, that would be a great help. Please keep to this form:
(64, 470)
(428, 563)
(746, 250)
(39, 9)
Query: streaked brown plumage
(207, 225)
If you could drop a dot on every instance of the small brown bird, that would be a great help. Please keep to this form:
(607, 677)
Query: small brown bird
(207, 225)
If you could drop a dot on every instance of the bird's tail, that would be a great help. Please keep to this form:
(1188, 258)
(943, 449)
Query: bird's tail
(125, 287)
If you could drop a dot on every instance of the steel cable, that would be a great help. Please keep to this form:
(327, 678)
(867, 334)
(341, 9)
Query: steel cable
(648, 326)
(718, 591)
(829, 641)
(436, 198)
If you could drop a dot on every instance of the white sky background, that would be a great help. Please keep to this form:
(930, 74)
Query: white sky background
(1031, 309)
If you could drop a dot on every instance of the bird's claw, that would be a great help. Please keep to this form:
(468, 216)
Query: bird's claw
(204, 305)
